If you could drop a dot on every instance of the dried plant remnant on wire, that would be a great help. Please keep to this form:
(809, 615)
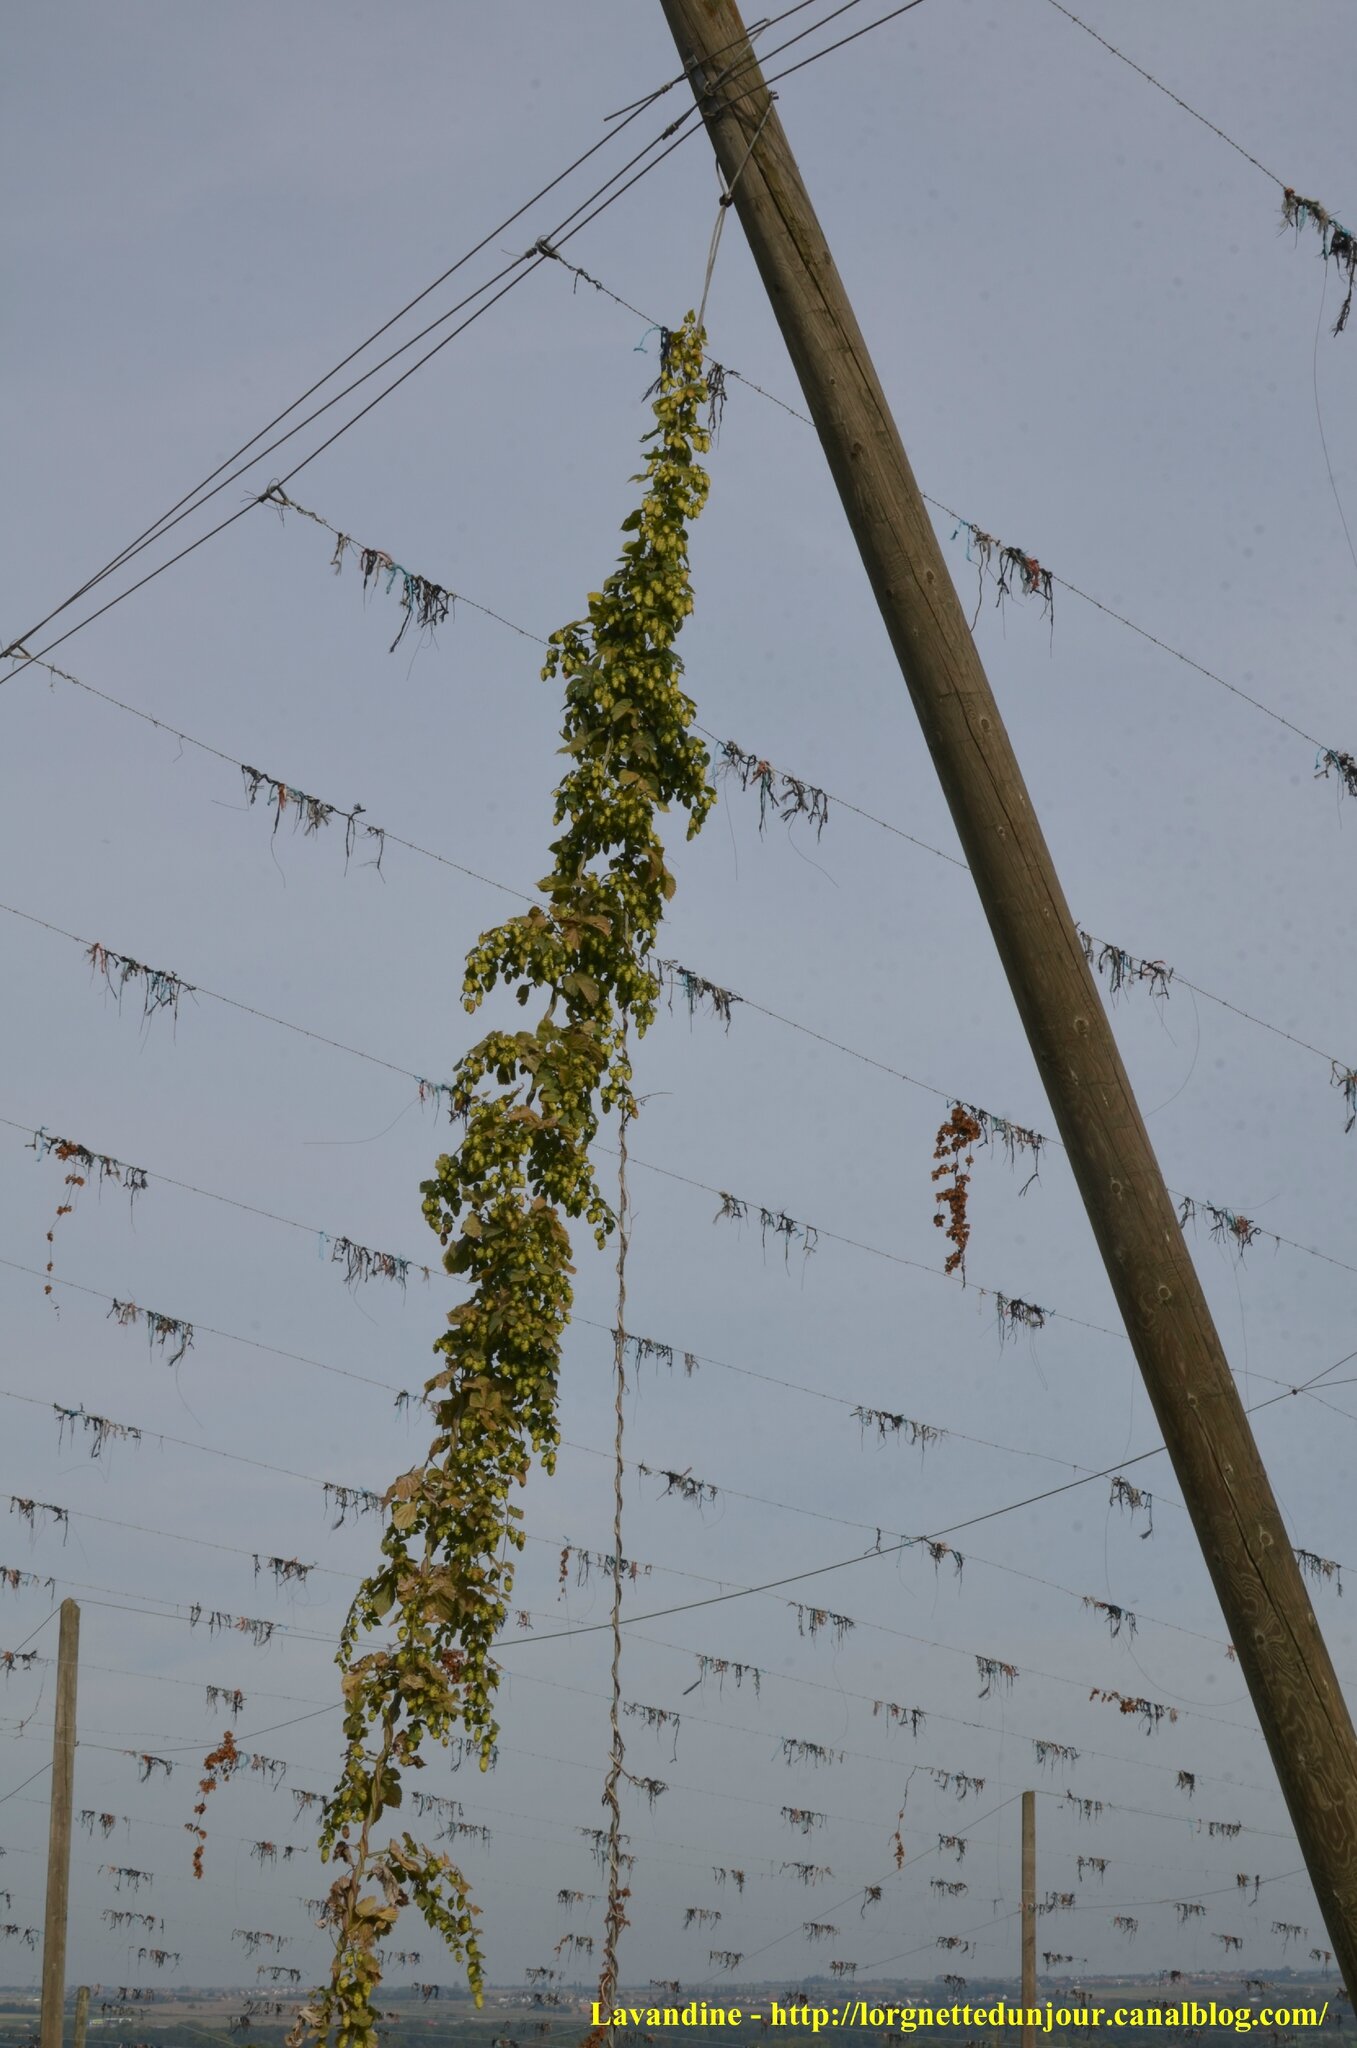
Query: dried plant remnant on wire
(842, 1969)
(1337, 245)
(938, 1550)
(785, 796)
(29, 1510)
(1015, 570)
(1136, 1500)
(1226, 1226)
(160, 1330)
(254, 1938)
(997, 1675)
(702, 1916)
(817, 1930)
(1014, 1314)
(726, 1959)
(960, 1782)
(956, 1842)
(1116, 1617)
(259, 1632)
(948, 1887)
(310, 812)
(1188, 1909)
(1056, 1902)
(643, 1348)
(736, 1877)
(697, 991)
(1086, 1809)
(1187, 1782)
(903, 1427)
(17, 1660)
(660, 1719)
(806, 1873)
(123, 1874)
(699, 1491)
(286, 1571)
(795, 1751)
(587, 1561)
(532, 1102)
(360, 1263)
(720, 1668)
(1345, 1079)
(85, 1166)
(1055, 1754)
(1323, 1570)
(133, 1178)
(1014, 1138)
(90, 1819)
(1151, 1712)
(803, 1818)
(13, 1579)
(597, 1838)
(912, 1718)
(425, 603)
(350, 1500)
(1332, 761)
(101, 1431)
(958, 1135)
(810, 1621)
(1122, 969)
(734, 1210)
(161, 989)
(1225, 1829)
(1097, 1864)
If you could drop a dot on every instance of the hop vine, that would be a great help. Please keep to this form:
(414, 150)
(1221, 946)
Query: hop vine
(531, 1103)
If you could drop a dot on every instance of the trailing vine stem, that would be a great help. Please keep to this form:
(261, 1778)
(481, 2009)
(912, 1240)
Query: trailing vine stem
(530, 1103)
(615, 1916)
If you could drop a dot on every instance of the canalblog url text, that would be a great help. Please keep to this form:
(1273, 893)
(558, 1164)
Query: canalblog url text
(909, 2019)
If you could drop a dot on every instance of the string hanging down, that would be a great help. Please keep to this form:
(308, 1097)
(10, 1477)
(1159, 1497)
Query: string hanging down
(723, 204)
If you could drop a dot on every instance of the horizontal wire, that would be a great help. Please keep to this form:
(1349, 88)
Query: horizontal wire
(1150, 79)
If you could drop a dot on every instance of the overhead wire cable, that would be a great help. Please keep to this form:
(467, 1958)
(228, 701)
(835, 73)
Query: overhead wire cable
(521, 267)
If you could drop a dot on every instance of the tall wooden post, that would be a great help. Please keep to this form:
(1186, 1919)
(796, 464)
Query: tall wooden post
(1029, 1915)
(82, 2014)
(1271, 1623)
(59, 1830)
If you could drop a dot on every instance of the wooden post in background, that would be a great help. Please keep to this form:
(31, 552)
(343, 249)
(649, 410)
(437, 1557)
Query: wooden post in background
(1029, 1915)
(1244, 1541)
(59, 1831)
(82, 2014)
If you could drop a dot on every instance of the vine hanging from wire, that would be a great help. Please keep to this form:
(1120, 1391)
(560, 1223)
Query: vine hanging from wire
(532, 1102)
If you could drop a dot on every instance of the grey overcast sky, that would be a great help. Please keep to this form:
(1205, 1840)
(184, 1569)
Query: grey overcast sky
(1100, 346)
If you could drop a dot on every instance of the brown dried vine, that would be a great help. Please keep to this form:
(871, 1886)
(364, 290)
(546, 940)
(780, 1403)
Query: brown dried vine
(958, 1135)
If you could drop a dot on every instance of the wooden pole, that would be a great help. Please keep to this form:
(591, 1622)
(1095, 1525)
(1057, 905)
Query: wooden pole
(1029, 1915)
(59, 1831)
(1267, 1610)
(82, 2014)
